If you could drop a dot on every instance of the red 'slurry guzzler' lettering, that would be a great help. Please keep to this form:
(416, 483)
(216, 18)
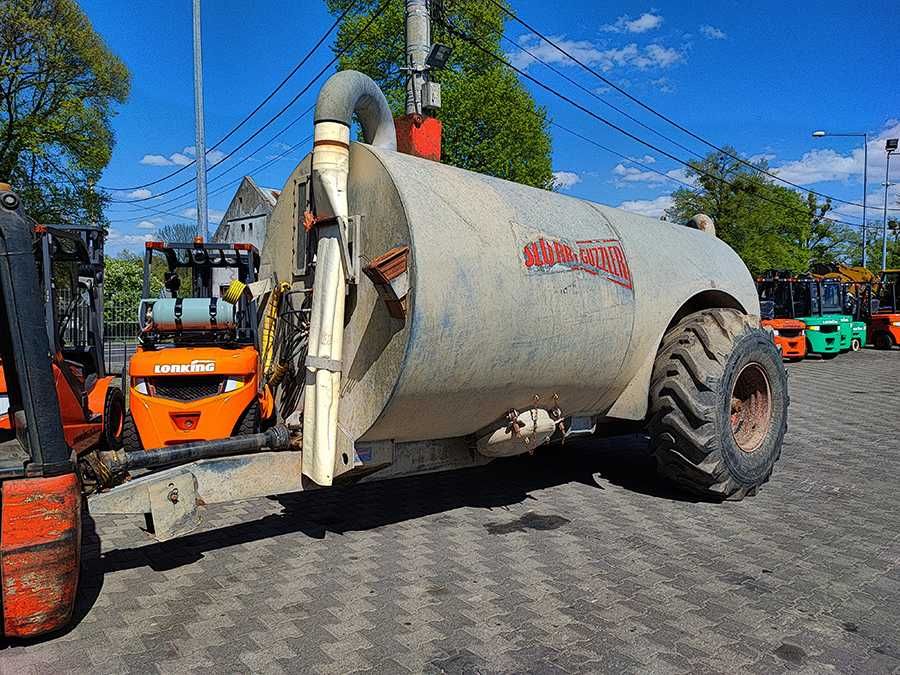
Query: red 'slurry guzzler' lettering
(599, 257)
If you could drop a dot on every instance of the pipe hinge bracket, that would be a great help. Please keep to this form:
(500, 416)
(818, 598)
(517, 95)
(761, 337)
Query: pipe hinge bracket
(348, 232)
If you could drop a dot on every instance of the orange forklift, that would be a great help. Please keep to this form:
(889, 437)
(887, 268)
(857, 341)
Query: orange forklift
(195, 375)
(43, 480)
(788, 334)
(69, 274)
(40, 492)
(884, 322)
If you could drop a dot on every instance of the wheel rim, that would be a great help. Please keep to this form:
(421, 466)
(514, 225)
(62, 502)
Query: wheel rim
(751, 407)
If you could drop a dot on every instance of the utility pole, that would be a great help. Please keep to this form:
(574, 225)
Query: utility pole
(418, 44)
(890, 147)
(200, 138)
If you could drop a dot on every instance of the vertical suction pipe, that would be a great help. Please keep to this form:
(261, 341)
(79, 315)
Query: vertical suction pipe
(344, 95)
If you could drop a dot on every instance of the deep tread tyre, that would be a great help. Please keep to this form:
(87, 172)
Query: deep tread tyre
(113, 418)
(882, 341)
(131, 440)
(692, 413)
(249, 422)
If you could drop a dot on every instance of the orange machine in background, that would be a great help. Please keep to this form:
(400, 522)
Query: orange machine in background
(195, 375)
(91, 407)
(789, 336)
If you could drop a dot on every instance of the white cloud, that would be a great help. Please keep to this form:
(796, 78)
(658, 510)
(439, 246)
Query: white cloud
(155, 160)
(651, 56)
(146, 225)
(117, 238)
(141, 193)
(183, 158)
(712, 32)
(648, 207)
(826, 164)
(761, 157)
(212, 215)
(565, 179)
(625, 24)
(663, 85)
(630, 175)
(657, 56)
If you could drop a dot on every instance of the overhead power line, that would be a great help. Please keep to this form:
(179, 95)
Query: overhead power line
(227, 185)
(667, 119)
(284, 109)
(616, 127)
(249, 115)
(234, 166)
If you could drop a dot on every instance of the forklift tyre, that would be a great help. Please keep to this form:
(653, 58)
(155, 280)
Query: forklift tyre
(249, 423)
(131, 440)
(718, 405)
(113, 418)
(882, 341)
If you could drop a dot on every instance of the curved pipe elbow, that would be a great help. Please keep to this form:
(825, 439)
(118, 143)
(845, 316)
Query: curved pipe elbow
(349, 92)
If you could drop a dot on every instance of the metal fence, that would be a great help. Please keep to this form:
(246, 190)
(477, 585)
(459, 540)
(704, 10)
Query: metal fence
(120, 333)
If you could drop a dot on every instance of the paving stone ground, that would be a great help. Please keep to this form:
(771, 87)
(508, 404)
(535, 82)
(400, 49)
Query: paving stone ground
(576, 560)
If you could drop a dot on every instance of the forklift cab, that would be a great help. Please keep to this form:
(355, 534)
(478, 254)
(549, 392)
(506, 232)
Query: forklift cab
(817, 303)
(190, 272)
(71, 278)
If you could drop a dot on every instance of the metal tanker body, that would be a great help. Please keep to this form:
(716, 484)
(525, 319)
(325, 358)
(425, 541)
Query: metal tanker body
(413, 317)
(456, 316)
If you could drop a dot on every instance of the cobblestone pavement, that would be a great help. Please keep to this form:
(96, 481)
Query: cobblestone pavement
(576, 560)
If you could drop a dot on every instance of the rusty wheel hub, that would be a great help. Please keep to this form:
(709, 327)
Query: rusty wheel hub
(751, 407)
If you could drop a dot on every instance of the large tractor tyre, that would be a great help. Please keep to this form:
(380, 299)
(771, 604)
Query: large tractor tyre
(131, 439)
(113, 418)
(718, 405)
(882, 340)
(249, 423)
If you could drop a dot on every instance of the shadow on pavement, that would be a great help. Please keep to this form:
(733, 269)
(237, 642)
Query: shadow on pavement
(621, 461)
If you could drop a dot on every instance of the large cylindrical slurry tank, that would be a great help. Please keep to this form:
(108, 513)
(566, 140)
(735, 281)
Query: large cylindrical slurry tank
(519, 299)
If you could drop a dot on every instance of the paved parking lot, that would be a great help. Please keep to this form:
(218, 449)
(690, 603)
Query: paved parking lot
(575, 560)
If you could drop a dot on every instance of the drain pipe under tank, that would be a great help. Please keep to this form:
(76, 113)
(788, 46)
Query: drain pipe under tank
(346, 93)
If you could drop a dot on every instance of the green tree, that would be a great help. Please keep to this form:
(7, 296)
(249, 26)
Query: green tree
(58, 83)
(770, 226)
(491, 123)
(123, 281)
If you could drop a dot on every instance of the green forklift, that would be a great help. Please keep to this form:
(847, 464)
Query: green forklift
(858, 304)
(819, 303)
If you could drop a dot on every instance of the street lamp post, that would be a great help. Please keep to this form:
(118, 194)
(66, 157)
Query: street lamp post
(890, 147)
(865, 137)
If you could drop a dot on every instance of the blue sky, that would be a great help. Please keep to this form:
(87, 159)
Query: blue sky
(760, 76)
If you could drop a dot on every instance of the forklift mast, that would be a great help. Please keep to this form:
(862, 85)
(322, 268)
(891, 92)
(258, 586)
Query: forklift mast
(40, 495)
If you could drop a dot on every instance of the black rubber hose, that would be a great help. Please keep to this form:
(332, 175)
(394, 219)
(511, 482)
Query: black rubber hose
(276, 438)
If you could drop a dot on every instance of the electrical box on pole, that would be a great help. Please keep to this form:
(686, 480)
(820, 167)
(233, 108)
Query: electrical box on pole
(419, 132)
